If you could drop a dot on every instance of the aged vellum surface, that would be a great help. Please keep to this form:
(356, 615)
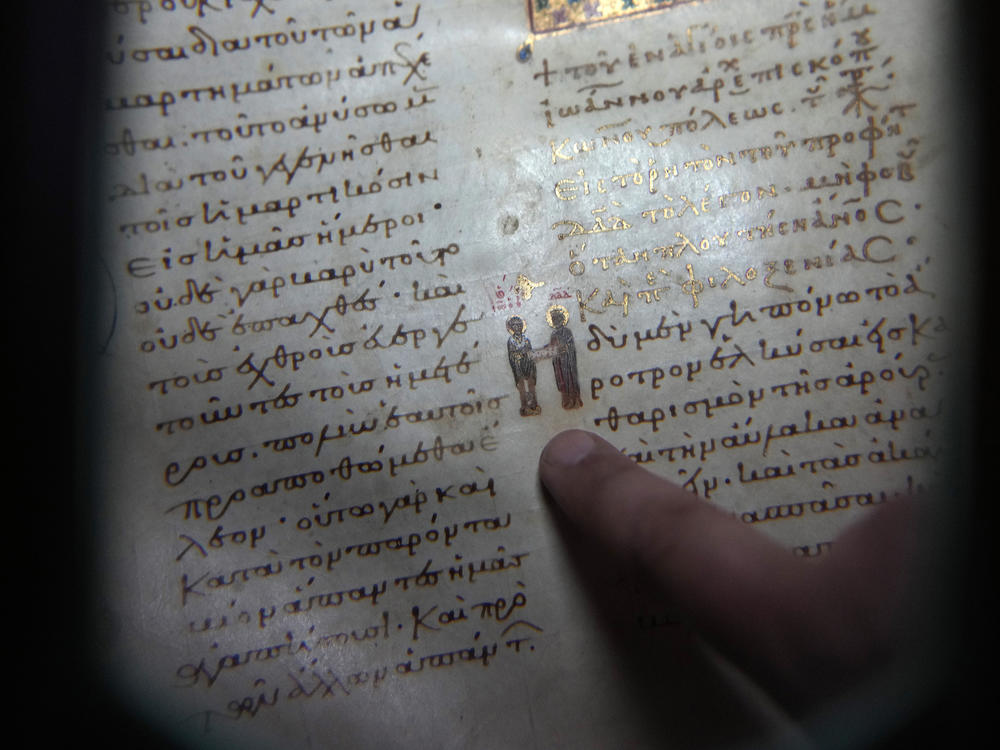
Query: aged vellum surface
(719, 226)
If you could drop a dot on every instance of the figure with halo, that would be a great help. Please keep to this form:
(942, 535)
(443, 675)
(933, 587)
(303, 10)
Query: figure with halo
(562, 351)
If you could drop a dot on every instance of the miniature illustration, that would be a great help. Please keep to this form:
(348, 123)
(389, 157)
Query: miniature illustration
(562, 351)
(558, 15)
(522, 365)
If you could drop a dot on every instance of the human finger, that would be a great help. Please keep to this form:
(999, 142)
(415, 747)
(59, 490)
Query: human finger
(752, 599)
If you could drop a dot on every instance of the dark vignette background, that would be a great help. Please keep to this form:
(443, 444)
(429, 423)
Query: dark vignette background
(53, 55)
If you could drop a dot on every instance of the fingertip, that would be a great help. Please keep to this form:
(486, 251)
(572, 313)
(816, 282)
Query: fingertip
(567, 449)
(571, 466)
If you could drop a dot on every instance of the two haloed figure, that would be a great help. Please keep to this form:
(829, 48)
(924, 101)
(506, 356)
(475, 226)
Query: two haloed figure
(561, 350)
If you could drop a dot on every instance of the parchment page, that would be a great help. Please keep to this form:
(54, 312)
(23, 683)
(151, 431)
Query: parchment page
(360, 262)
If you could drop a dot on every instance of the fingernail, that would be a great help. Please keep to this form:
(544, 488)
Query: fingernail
(568, 448)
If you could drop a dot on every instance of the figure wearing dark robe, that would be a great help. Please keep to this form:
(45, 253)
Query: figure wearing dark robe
(522, 366)
(563, 353)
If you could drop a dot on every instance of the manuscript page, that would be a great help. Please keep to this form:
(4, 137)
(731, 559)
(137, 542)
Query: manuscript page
(359, 263)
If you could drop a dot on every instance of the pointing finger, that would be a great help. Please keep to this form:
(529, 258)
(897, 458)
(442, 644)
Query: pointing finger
(752, 599)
